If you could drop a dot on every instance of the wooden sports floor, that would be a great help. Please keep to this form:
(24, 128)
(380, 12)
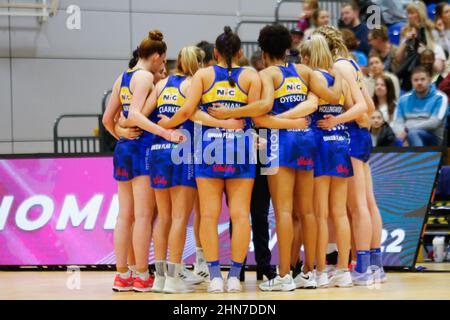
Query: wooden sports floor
(97, 285)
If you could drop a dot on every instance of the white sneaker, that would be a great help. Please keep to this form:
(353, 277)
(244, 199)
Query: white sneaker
(176, 285)
(341, 279)
(330, 268)
(216, 285)
(189, 277)
(158, 284)
(201, 270)
(379, 276)
(279, 284)
(233, 285)
(305, 281)
(363, 278)
(322, 279)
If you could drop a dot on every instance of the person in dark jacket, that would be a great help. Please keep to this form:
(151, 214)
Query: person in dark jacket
(350, 20)
(382, 133)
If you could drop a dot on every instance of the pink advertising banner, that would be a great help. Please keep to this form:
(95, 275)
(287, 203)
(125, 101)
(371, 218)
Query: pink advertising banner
(62, 211)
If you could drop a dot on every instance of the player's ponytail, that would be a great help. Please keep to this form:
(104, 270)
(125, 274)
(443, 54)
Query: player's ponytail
(320, 57)
(190, 59)
(228, 44)
(133, 61)
(335, 41)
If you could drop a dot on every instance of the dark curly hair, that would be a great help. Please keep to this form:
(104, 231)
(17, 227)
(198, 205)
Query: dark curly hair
(228, 44)
(275, 40)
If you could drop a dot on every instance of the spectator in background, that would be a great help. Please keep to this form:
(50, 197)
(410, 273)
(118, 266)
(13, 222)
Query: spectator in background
(294, 53)
(352, 45)
(384, 98)
(444, 86)
(442, 26)
(421, 114)
(351, 20)
(427, 60)
(257, 61)
(208, 49)
(305, 19)
(320, 17)
(243, 62)
(417, 36)
(376, 70)
(379, 40)
(382, 134)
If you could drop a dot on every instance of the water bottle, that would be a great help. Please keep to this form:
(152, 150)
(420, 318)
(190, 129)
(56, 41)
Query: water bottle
(438, 249)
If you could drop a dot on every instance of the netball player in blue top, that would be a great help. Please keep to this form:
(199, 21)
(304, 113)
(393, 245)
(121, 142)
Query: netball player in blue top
(333, 165)
(286, 95)
(215, 171)
(366, 218)
(131, 165)
(172, 178)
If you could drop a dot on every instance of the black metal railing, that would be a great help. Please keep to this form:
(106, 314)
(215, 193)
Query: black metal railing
(249, 47)
(77, 144)
(95, 143)
(332, 6)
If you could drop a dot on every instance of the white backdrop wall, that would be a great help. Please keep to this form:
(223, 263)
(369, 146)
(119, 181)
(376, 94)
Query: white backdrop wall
(47, 70)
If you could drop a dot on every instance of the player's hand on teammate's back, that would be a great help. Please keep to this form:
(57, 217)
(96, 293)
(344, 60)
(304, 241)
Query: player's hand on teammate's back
(175, 136)
(123, 121)
(130, 133)
(329, 122)
(303, 123)
(219, 111)
(164, 120)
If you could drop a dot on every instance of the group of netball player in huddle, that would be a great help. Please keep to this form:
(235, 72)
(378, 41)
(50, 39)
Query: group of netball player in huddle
(316, 116)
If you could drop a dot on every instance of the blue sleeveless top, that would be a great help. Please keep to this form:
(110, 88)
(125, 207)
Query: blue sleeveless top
(360, 80)
(170, 100)
(222, 92)
(126, 97)
(326, 108)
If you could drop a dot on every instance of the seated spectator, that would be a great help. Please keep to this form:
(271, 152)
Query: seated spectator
(417, 36)
(257, 61)
(352, 45)
(320, 17)
(444, 86)
(384, 98)
(305, 19)
(208, 49)
(381, 132)
(376, 70)
(427, 60)
(421, 114)
(294, 54)
(442, 26)
(379, 40)
(351, 20)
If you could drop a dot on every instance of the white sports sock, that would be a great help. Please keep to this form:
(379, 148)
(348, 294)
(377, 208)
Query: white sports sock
(200, 256)
(331, 248)
(143, 275)
(124, 275)
(161, 267)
